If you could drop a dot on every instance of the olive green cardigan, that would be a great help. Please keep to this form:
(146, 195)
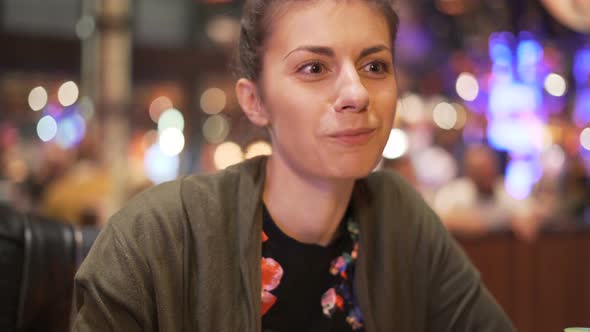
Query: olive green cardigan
(185, 256)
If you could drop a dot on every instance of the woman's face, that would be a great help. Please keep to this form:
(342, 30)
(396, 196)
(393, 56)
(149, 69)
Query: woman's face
(328, 88)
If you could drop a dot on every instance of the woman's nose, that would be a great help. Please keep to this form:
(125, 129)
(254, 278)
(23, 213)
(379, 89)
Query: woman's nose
(352, 94)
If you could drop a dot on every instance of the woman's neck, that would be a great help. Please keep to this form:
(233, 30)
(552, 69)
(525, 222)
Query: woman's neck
(307, 209)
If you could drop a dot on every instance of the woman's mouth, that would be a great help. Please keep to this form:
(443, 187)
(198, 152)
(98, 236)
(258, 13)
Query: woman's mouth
(353, 136)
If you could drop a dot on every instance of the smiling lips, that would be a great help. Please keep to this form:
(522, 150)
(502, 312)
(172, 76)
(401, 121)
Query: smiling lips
(353, 136)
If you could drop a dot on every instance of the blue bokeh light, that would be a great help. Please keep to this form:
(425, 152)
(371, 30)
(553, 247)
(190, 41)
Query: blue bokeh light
(521, 175)
(581, 66)
(70, 130)
(160, 167)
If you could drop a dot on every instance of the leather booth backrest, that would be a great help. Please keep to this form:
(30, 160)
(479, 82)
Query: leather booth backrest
(47, 252)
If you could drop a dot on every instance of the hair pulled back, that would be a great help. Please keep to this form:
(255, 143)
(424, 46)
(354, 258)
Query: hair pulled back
(257, 17)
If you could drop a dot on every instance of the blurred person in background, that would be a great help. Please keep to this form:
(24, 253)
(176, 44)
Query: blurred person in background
(478, 203)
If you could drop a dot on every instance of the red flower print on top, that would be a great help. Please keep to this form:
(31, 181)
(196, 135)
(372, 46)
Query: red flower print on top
(271, 273)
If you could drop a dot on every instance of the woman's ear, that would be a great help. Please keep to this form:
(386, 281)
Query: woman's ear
(251, 103)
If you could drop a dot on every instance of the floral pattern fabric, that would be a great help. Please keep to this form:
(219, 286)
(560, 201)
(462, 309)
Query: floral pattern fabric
(340, 297)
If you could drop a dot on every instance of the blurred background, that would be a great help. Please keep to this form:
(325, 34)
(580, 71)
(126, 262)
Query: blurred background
(102, 99)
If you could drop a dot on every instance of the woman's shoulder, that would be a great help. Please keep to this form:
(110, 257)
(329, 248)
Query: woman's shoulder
(193, 198)
(401, 206)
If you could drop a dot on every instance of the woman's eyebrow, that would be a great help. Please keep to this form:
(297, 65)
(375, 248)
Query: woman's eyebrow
(372, 50)
(327, 51)
(321, 50)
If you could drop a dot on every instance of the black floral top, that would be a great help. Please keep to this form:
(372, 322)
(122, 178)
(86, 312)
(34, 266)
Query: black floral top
(308, 287)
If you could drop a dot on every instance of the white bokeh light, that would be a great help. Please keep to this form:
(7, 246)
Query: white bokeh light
(585, 138)
(47, 128)
(411, 108)
(260, 148)
(397, 144)
(160, 167)
(461, 114)
(213, 101)
(216, 128)
(171, 118)
(227, 154)
(171, 141)
(444, 115)
(67, 93)
(37, 98)
(467, 86)
(555, 85)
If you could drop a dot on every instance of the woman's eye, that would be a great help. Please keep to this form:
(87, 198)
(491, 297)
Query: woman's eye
(376, 67)
(314, 68)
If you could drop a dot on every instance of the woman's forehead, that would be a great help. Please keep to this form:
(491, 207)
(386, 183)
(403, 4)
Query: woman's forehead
(329, 23)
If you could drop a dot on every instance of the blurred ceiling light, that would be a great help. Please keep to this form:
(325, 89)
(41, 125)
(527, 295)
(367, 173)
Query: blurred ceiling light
(585, 138)
(461, 113)
(467, 86)
(171, 141)
(444, 115)
(37, 98)
(260, 148)
(555, 85)
(85, 27)
(216, 128)
(213, 101)
(67, 93)
(171, 118)
(227, 154)
(223, 29)
(397, 144)
(46, 128)
(158, 106)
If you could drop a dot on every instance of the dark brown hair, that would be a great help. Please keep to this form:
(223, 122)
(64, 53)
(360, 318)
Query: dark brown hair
(256, 21)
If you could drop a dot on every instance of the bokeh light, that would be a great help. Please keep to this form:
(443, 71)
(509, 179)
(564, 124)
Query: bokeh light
(85, 27)
(160, 167)
(467, 86)
(227, 154)
(444, 115)
(521, 175)
(411, 108)
(46, 128)
(461, 114)
(397, 144)
(223, 29)
(445, 170)
(585, 138)
(171, 118)
(259, 148)
(555, 85)
(213, 101)
(216, 128)
(171, 141)
(158, 106)
(37, 98)
(67, 93)
(70, 130)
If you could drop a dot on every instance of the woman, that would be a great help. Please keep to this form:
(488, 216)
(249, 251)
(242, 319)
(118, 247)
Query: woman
(308, 239)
